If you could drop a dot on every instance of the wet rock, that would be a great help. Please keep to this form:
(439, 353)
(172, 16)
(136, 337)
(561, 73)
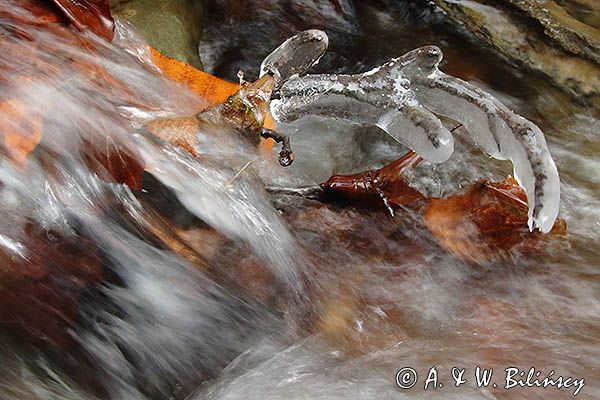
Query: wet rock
(173, 27)
(239, 34)
(542, 37)
(573, 35)
(587, 11)
(40, 289)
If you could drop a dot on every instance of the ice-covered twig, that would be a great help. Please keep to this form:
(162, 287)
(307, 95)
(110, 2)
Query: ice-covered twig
(500, 132)
(296, 55)
(400, 97)
(380, 97)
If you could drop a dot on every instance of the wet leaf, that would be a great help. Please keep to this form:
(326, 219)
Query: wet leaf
(42, 12)
(486, 223)
(40, 290)
(209, 87)
(92, 15)
(20, 130)
(22, 123)
(212, 89)
(387, 186)
(113, 161)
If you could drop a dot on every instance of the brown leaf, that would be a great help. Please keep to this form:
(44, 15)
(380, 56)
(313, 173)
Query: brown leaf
(39, 293)
(21, 123)
(92, 15)
(21, 128)
(389, 184)
(113, 161)
(179, 131)
(43, 13)
(486, 223)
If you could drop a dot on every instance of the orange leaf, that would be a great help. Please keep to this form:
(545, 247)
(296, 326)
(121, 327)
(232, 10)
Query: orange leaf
(214, 90)
(209, 87)
(20, 131)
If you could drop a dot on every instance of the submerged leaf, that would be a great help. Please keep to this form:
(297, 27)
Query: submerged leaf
(23, 113)
(40, 289)
(20, 129)
(486, 223)
(113, 161)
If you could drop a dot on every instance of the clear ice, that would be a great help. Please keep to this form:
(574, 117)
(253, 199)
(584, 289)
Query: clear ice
(296, 55)
(403, 97)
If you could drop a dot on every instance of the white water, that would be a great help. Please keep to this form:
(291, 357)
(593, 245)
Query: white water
(164, 323)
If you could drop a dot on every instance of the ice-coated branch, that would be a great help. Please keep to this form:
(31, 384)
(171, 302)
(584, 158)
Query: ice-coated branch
(296, 55)
(401, 96)
(500, 132)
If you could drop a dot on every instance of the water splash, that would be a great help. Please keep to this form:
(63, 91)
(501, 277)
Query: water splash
(161, 319)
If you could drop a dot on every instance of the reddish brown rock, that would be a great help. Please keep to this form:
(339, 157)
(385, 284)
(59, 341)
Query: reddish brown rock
(39, 293)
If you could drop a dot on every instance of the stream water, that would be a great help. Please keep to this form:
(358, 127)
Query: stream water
(284, 298)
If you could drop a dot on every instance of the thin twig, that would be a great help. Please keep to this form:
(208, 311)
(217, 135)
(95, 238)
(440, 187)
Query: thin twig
(456, 127)
(234, 177)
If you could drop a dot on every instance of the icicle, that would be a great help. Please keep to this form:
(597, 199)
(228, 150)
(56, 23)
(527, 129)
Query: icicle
(500, 132)
(380, 97)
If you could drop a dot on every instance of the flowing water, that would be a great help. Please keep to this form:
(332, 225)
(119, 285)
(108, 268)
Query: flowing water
(272, 295)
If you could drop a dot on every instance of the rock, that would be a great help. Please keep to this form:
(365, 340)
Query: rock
(573, 35)
(238, 34)
(544, 38)
(173, 27)
(587, 11)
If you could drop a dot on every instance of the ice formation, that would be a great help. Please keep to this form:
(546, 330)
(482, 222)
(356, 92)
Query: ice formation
(296, 55)
(401, 98)
(247, 108)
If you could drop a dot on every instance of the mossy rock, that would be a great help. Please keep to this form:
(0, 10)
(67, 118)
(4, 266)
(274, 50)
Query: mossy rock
(173, 27)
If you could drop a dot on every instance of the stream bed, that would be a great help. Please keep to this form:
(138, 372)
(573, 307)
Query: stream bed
(257, 293)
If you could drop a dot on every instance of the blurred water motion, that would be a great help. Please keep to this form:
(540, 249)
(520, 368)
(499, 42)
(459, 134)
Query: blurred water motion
(212, 287)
